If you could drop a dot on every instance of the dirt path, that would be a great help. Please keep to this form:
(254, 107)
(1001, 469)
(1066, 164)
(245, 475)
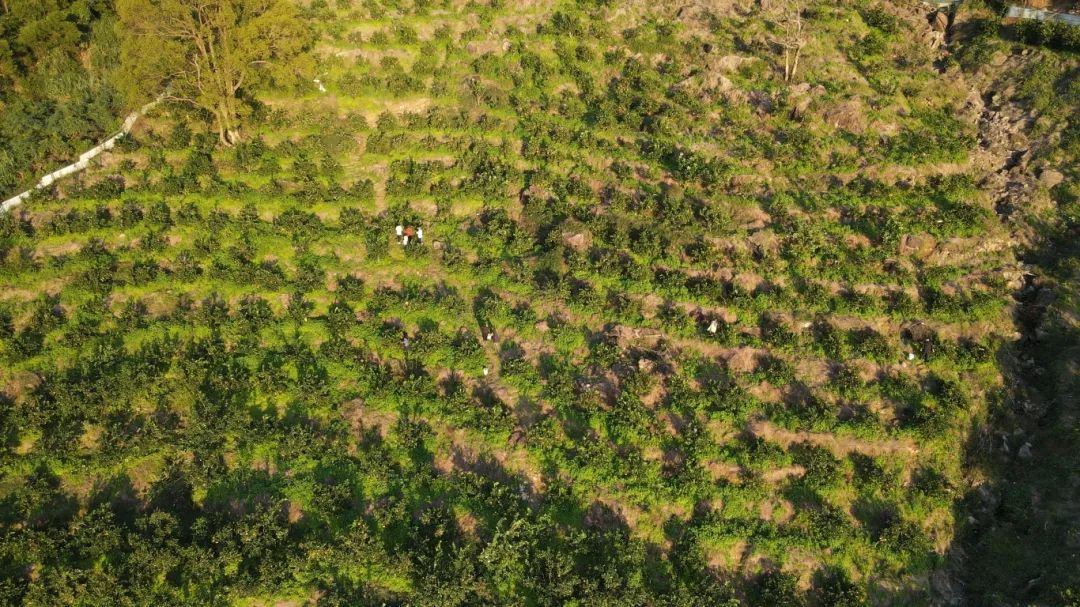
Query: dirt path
(839, 445)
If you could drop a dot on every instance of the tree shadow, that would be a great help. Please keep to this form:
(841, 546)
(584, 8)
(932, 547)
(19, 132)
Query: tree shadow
(1018, 540)
(121, 497)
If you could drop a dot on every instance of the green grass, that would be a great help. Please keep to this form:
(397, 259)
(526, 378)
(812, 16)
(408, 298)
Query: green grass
(609, 454)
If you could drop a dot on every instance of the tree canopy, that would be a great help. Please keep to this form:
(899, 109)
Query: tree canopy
(685, 326)
(56, 96)
(207, 53)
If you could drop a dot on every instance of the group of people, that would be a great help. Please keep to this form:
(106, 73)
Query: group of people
(409, 234)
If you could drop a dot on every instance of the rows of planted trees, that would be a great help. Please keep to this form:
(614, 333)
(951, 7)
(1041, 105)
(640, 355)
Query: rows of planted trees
(666, 340)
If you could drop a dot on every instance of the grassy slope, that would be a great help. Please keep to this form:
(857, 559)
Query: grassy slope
(676, 461)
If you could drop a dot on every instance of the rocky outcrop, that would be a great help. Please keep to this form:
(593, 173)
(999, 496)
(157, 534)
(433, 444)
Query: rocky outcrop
(846, 116)
(802, 96)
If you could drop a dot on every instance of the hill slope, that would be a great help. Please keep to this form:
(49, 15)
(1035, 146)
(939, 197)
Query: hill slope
(679, 332)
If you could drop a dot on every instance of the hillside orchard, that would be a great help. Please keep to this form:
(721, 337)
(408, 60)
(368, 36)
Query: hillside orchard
(685, 326)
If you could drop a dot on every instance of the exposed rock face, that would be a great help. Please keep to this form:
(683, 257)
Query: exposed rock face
(1005, 152)
(579, 241)
(1049, 178)
(928, 28)
(802, 97)
(919, 245)
(939, 22)
(973, 107)
(846, 116)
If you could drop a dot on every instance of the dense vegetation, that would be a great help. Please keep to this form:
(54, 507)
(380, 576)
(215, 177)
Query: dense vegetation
(680, 331)
(56, 93)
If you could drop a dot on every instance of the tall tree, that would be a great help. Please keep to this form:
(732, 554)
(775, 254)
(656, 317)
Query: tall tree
(207, 52)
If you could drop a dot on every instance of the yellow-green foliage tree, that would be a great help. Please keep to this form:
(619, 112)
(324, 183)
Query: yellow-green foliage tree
(207, 52)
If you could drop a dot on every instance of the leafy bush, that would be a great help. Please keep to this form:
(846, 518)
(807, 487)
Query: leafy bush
(1052, 33)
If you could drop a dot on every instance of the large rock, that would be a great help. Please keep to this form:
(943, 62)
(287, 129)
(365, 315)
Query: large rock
(846, 116)
(579, 241)
(1025, 451)
(940, 21)
(1050, 178)
(762, 101)
(917, 245)
(802, 96)
(730, 63)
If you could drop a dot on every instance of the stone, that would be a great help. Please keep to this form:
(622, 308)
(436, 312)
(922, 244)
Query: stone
(940, 22)
(578, 242)
(730, 63)
(1049, 178)
(762, 101)
(917, 245)
(800, 108)
(846, 116)
(1025, 452)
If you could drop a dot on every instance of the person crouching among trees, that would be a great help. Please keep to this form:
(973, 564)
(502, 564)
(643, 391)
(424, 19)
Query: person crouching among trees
(409, 234)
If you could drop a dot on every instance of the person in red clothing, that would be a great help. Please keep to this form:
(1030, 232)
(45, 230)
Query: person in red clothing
(411, 234)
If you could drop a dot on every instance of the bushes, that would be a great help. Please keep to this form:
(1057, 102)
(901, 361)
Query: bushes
(300, 224)
(376, 242)
(830, 340)
(938, 137)
(108, 188)
(293, 380)
(252, 155)
(490, 173)
(363, 191)
(1054, 34)
(309, 274)
(99, 267)
(837, 590)
(410, 178)
(905, 537)
(868, 343)
(350, 287)
(776, 589)
(822, 469)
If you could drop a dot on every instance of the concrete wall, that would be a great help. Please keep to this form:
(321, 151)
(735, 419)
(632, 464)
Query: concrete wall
(1021, 12)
